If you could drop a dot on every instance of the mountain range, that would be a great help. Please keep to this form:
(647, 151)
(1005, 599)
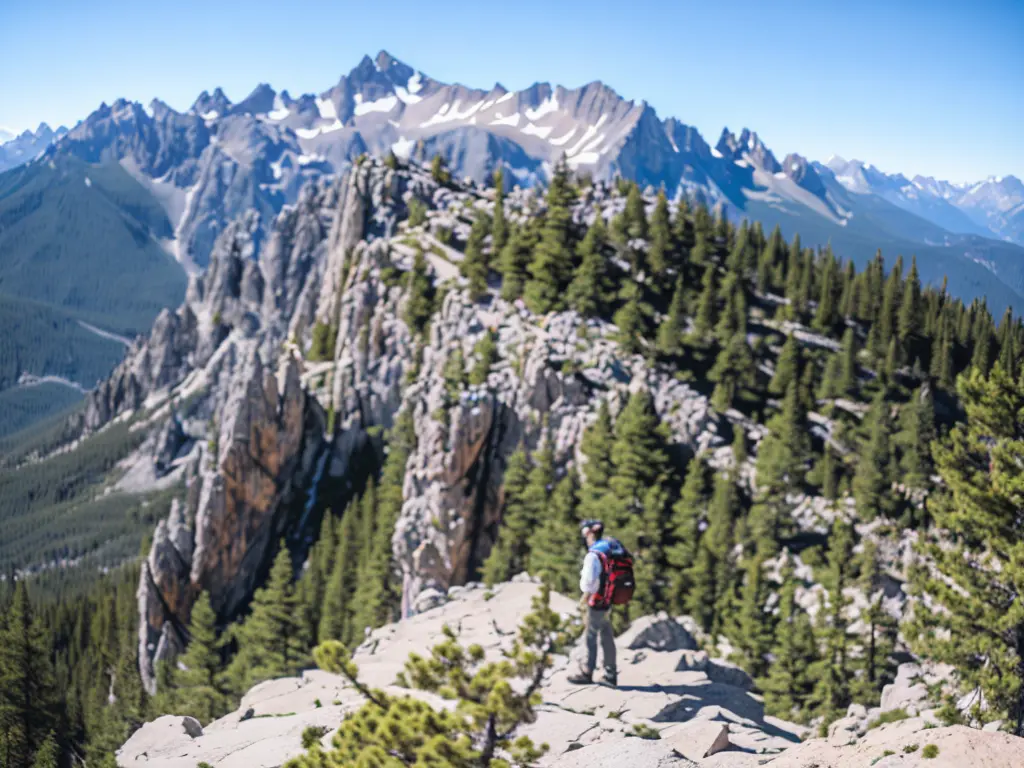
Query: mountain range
(137, 188)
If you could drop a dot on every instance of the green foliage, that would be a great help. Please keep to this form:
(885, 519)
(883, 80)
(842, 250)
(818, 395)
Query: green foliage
(590, 289)
(420, 304)
(439, 171)
(270, 640)
(513, 262)
(324, 338)
(891, 716)
(977, 576)
(789, 682)
(475, 265)
(197, 680)
(492, 700)
(930, 751)
(57, 507)
(486, 353)
(551, 268)
(28, 692)
(417, 212)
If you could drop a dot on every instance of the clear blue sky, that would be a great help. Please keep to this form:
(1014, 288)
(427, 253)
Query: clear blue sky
(931, 87)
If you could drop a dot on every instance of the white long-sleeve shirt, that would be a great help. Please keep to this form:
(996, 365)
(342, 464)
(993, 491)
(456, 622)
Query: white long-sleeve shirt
(590, 574)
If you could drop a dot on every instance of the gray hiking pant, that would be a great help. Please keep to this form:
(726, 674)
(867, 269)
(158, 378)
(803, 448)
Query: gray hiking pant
(599, 627)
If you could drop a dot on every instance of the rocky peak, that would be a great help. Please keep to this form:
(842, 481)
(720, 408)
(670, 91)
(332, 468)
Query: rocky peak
(802, 172)
(259, 102)
(206, 104)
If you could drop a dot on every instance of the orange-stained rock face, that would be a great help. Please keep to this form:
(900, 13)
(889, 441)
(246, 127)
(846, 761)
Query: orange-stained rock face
(235, 509)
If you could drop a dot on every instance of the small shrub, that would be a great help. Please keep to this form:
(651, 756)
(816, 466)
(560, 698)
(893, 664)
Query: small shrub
(644, 731)
(892, 716)
(887, 753)
(203, 764)
(317, 704)
(312, 735)
(930, 751)
(910, 748)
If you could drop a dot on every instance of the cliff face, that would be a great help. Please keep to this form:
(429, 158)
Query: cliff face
(253, 421)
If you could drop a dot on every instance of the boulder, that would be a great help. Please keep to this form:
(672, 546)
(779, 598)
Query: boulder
(698, 739)
(658, 633)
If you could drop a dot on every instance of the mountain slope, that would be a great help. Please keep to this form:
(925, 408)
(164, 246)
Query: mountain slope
(86, 239)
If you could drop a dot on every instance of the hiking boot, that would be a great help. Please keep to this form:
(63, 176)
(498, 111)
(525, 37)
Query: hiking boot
(609, 680)
(581, 678)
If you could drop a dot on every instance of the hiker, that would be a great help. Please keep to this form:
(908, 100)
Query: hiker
(606, 579)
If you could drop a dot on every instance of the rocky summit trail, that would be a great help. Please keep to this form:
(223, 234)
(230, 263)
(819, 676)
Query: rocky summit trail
(674, 706)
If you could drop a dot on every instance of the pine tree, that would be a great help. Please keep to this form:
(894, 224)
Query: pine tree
(198, 678)
(890, 304)
(977, 575)
(871, 479)
(910, 308)
(829, 473)
(638, 498)
(876, 666)
(499, 229)
(596, 447)
(831, 693)
(733, 319)
(781, 466)
(788, 683)
(825, 314)
(439, 171)
(636, 215)
(336, 614)
(486, 353)
(270, 639)
(682, 231)
(638, 455)
(420, 304)
(589, 290)
(661, 240)
(555, 543)
(508, 556)
(733, 371)
(631, 321)
(711, 574)
(752, 622)
(551, 268)
(848, 369)
(48, 755)
(787, 367)
(670, 332)
(917, 420)
(28, 697)
(475, 264)
(378, 593)
(688, 512)
(704, 319)
(513, 262)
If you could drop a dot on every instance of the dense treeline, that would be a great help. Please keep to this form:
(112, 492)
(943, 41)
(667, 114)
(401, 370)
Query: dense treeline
(57, 507)
(854, 372)
(25, 407)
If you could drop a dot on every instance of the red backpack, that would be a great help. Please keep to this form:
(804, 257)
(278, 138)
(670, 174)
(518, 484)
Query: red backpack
(617, 582)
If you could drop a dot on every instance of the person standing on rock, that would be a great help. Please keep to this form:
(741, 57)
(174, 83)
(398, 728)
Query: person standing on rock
(606, 579)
